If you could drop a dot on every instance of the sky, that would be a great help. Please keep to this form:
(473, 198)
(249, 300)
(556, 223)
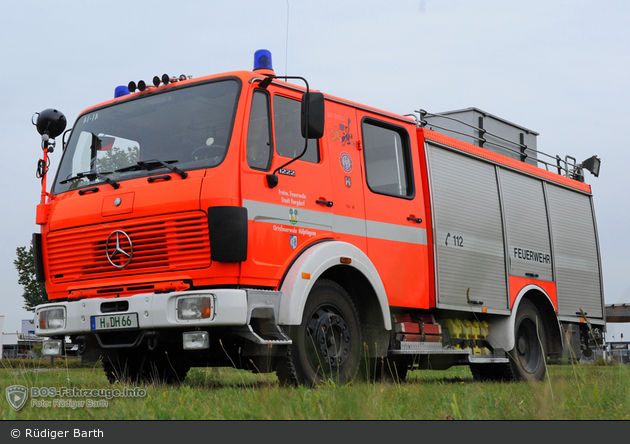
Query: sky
(560, 68)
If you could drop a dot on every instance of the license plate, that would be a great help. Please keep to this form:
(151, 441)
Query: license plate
(115, 321)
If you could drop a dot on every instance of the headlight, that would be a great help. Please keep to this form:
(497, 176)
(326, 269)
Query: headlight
(195, 307)
(52, 318)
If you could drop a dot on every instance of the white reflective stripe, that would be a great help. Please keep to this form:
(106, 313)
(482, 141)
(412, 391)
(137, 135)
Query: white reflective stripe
(398, 233)
(279, 214)
(350, 225)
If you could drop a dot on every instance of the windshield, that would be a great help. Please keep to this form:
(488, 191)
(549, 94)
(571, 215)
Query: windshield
(186, 128)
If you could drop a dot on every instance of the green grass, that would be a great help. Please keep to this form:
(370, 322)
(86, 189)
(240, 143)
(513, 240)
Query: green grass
(570, 392)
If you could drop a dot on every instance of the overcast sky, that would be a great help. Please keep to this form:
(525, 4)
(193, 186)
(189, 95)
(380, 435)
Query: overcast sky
(560, 68)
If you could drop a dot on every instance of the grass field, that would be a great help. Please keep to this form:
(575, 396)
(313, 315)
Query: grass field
(570, 392)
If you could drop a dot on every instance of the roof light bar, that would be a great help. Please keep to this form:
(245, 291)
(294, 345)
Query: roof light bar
(157, 81)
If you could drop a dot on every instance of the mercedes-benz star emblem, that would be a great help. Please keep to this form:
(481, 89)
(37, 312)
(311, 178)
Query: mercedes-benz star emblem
(120, 254)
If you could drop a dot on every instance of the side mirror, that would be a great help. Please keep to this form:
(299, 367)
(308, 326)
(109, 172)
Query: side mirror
(313, 107)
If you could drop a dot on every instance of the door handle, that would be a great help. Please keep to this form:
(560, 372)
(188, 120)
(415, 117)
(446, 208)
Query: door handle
(324, 202)
(414, 219)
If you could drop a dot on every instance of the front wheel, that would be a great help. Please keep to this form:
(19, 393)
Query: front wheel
(527, 358)
(327, 344)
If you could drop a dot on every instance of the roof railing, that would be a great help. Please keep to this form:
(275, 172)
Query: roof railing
(567, 166)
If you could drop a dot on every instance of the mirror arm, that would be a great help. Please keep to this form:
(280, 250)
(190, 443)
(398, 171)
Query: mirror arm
(272, 179)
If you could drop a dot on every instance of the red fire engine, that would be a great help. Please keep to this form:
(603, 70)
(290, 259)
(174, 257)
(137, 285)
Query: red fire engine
(245, 220)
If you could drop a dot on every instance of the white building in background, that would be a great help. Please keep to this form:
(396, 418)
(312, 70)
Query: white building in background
(18, 344)
(28, 328)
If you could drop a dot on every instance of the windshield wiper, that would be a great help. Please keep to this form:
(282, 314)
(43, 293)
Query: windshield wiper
(92, 175)
(154, 164)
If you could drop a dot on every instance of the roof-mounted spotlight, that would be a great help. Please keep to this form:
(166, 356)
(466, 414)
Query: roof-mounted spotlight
(50, 123)
(157, 81)
(142, 85)
(592, 165)
(165, 79)
(132, 86)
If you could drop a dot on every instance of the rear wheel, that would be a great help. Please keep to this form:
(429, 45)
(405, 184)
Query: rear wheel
(527, 358)
(327, 344)
(492, 372)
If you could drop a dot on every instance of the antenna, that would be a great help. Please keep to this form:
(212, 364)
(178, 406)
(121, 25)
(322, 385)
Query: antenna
(286, 45)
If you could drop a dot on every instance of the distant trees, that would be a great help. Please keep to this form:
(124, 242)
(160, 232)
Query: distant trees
(34, 291)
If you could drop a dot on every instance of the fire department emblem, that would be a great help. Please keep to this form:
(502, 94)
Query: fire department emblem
(346, 162)
(293, 213)
(16, 396)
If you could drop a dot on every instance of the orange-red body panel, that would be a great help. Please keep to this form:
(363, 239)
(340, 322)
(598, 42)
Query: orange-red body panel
(518, 283)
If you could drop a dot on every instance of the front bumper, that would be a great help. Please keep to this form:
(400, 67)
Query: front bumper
(154, 311)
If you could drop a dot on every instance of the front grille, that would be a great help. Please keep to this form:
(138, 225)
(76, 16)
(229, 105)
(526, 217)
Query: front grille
(160, 244)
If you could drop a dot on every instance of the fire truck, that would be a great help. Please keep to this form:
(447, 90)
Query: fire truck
(246, 220)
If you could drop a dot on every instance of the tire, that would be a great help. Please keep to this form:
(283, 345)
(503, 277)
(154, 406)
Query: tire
(527, 358)
(492, 372)
(327, 344)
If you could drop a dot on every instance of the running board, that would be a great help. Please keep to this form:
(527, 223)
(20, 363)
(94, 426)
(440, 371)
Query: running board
(263, 308)
(436, 348)
(272, 336)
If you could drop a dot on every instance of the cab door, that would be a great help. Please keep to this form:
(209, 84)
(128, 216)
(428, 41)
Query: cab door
(283, 219)
(343, 146)
(394, 210)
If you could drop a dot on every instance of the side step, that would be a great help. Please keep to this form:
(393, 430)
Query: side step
(262, 319)
(271, 334)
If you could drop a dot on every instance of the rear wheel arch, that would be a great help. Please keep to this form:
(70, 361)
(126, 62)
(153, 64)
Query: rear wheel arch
(551, 323)
(503, 326)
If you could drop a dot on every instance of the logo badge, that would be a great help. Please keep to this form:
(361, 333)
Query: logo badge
(346, 162)
(293, 241)
(119, 249)
(17, 396)
(294, 216)
(348, 181)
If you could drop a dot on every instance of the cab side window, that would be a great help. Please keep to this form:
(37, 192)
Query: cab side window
(259, 133)
(387, 158)
(288, 132)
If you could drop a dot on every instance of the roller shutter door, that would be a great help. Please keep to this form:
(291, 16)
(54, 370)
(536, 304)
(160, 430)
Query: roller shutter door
(575, 252)
(470, 250)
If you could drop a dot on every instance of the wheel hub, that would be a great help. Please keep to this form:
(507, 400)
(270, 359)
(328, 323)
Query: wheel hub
(330, 335)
